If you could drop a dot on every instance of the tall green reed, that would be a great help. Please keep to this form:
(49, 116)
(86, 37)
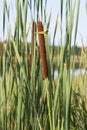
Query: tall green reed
(27, 101)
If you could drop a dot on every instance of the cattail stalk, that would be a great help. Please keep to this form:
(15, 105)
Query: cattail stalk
(30, 56)
(1, 47)
(30, 62)
(42, 50)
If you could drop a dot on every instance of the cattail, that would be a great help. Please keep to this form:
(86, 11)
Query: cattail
(42, 50)
(33, 36)
(30, 55)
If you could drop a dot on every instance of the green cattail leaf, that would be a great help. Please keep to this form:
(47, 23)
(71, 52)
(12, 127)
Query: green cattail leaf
(86, 7)
(31, 4)
(16, 52)
(77, 18)
(21, 22)
(67, 13)
(56, 24)
(45, 4)
(44, 16)
(49, 20)
(34, 9)
(61, 9)
(25, 11)
(23, 2)
(4, 16)
(7, 10)
(41, 9)
(72, 11)
(55, 29)
(17, 21)
(37, 4)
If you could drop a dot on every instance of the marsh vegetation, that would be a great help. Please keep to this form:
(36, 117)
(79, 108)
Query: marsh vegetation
(30, 98)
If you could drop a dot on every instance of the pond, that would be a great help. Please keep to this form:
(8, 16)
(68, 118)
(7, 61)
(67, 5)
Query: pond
(76, 72)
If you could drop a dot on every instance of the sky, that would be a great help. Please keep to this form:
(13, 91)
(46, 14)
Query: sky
(82, 24)
(54, 7)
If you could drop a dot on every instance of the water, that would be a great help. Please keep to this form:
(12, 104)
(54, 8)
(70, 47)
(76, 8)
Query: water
(76, 72)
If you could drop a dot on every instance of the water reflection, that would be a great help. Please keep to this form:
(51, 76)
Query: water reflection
(75, 72)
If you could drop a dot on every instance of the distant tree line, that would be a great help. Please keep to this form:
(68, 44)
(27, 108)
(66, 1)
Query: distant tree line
(75, 50)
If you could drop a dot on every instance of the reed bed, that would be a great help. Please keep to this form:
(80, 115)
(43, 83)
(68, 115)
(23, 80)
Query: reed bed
(30, 97)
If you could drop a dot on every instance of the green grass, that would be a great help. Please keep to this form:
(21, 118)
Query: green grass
(29, 102)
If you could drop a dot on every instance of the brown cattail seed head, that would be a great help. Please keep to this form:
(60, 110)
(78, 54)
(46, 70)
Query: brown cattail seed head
(42, 50)
(33, 36)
